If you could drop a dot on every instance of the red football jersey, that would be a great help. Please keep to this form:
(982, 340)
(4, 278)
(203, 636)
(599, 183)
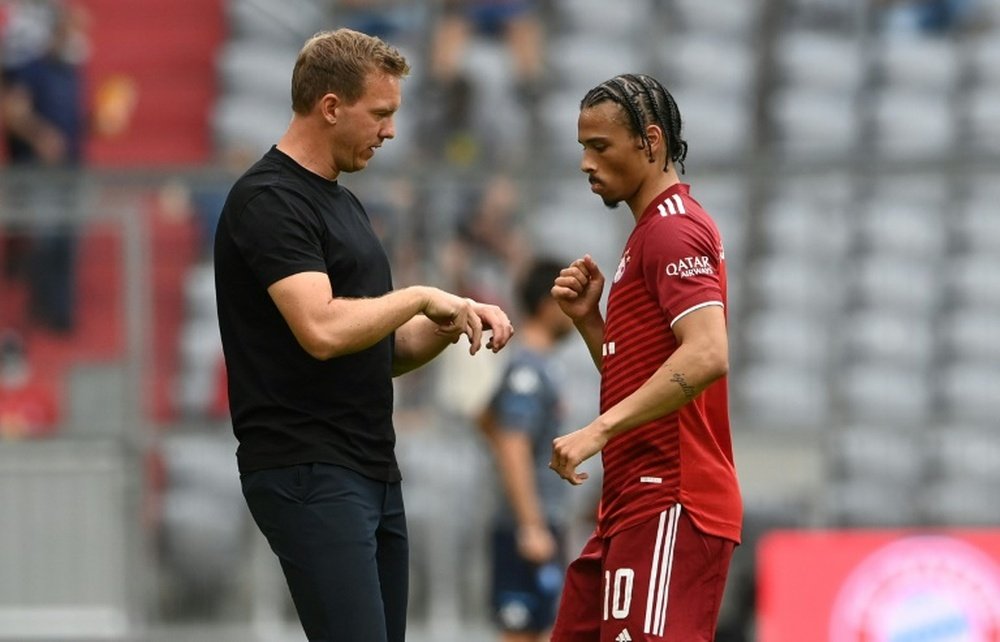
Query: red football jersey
(673, 264)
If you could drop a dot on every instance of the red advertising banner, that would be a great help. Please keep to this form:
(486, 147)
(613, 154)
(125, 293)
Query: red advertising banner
(879, 586)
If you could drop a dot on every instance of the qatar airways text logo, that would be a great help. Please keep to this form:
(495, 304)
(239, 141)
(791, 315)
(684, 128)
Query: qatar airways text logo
(690, 266)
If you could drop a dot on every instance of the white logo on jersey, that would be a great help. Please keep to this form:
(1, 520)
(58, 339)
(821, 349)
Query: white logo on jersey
(524, 381)
(624, 636)
(672, 206)
(690, 266)
(626, 257)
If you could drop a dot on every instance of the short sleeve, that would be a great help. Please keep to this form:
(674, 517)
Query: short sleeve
(519, 400)
(681, 263)
(278, 236)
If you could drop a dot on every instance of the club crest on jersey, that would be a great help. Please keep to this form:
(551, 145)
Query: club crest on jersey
(626, 257)
(690, 266)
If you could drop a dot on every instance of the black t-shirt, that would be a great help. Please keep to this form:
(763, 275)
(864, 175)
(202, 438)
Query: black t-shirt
(287, 407)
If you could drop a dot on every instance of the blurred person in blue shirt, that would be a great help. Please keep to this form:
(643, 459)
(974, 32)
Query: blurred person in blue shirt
(520, 422)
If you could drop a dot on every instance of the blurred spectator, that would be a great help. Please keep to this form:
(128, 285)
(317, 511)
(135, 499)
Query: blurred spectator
(490, 248)
(42, 108)
(452, 91)
(28, 407)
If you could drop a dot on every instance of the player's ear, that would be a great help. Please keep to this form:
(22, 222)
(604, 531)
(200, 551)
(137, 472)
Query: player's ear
(327, 106)
(656, 138)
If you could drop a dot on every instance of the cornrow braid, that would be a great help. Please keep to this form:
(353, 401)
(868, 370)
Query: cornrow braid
(646, 102)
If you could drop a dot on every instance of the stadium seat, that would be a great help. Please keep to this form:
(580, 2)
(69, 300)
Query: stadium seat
(726, 200)
(860, 503)
(903, 226)
(965, 452)
(559, 112)
(716, 125)
(792, 281)
(884, 335)
(977, 224)
(984, 57)
(777, 395)
(974, 278)
(810, 226)
(719, 16)
(880, 391)
(815, 123)
(811, 59)
(263, 68)
(983, 118)
(878, 454)
(922, 185)
(963, 502)
(923, 64)
(710, 61)
(913, 124)
(906, 283)
(969, 387)
(971, 331)
(598, 16)
(787, 335)
(582, 63)
(246, 121)
(834, 16)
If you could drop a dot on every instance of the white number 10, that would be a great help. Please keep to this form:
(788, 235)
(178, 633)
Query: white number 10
(618, 593)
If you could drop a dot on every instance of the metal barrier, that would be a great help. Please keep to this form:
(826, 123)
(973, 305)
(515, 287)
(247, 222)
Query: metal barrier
(66, 540)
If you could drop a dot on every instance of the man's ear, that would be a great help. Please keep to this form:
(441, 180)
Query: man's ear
(328, 106)
(655, 136)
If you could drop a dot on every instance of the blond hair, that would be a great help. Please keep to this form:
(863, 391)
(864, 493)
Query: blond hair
(340, 62)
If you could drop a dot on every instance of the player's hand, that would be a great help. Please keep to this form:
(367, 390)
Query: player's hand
(493, 318)
(454, 316)
(578, 288)
(535, 543)
(569, 451)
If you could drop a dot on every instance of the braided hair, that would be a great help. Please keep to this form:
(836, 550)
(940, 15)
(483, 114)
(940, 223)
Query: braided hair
(646, 102)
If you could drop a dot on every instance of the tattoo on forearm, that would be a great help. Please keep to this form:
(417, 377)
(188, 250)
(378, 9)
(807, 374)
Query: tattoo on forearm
(689, 391)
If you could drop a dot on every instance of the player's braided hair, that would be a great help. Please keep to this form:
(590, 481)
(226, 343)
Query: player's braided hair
(646, 102)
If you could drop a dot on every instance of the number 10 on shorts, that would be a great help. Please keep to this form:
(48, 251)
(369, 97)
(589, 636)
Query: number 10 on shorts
(618, 593)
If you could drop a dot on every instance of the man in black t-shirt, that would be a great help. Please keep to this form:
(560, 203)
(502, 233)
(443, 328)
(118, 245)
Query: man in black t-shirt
(313, 333)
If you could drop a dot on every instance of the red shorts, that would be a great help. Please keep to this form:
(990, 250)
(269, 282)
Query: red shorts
(661, 580)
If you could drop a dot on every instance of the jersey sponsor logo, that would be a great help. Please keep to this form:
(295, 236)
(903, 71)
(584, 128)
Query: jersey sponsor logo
(672, 206)
(624, 636)
(620, 272)
(650, 480)
(690, 266)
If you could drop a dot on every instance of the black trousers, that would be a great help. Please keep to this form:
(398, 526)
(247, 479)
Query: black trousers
(341, 539)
